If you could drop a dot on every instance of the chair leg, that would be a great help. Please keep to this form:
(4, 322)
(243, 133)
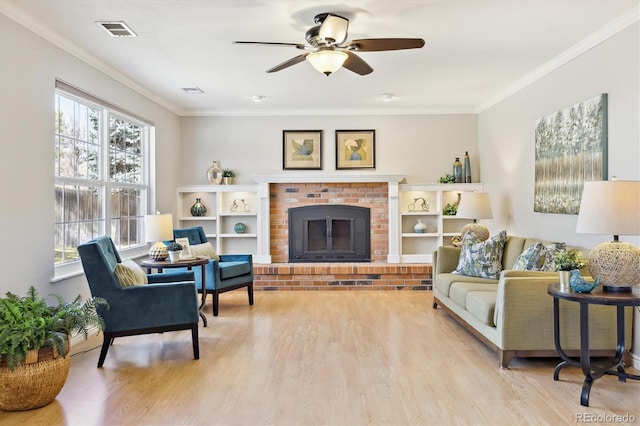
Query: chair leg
(106, 342)
(250, 292)
(195, 342)
(215, 298)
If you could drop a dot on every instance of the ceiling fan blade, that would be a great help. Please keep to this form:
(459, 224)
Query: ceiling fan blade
(356, 64)
(288, 63)
(272, 43)
(382, 44)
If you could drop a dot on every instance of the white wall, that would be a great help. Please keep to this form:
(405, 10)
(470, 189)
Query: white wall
(506, 138)
(422, 147)
(29, 66)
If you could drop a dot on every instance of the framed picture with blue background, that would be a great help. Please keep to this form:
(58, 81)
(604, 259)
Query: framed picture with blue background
(355, 149)
(302, 149)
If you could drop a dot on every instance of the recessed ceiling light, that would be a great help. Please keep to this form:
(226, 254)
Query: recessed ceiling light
(386, 97)
(117, 28)
(257, 98)
(192, 90)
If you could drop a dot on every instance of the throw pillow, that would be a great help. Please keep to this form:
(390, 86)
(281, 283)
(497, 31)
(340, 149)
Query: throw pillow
(204, 249)
(129, 273)
(531, 258)
(481, 259)
(550, 256)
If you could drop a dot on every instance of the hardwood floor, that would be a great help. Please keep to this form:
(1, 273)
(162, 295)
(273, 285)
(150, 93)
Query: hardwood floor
(322, 357)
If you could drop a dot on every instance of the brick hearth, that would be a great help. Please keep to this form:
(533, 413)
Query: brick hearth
(342, 276)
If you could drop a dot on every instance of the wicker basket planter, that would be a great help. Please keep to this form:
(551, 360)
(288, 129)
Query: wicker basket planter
(34, 383)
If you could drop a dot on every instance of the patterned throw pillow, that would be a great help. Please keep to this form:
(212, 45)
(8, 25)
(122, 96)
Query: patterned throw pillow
(129, 273)
(531, 258)
(481, 259)
(550, 256)
(204, 249)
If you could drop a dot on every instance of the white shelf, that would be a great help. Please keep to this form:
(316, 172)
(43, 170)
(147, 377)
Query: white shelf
(415, 247)
(220, 220)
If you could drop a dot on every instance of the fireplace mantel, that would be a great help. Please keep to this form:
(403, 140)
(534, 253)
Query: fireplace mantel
(310, 177)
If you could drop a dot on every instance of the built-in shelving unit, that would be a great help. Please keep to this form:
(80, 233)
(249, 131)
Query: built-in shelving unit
(227, 206)
(425, 202)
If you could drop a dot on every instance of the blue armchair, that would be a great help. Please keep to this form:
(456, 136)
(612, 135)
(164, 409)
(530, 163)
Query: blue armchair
(231, 272)
(168, 303)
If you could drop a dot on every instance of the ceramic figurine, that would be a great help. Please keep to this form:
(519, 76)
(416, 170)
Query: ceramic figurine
(579, 284)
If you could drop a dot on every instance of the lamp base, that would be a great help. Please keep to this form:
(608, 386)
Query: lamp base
(616, 289)
(158, 251)
(617, 264)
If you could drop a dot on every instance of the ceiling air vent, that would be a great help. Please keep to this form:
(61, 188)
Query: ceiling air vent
(192, 90)
(117, 28)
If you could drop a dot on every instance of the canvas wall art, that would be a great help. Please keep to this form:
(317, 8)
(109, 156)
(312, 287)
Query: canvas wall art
(570, 149)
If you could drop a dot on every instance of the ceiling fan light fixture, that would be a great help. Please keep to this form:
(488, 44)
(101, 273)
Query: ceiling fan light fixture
(327, 61)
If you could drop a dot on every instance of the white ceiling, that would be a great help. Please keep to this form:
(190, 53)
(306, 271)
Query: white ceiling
(476, 51)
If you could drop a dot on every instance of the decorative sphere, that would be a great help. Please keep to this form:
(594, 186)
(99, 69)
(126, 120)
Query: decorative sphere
(239, 228)
(481, 231)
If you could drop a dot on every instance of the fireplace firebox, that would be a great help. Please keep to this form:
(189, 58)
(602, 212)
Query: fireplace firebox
(329, 233)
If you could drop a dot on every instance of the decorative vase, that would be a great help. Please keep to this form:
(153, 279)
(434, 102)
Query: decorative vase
(239, 228)
(174, 256)
(420, 227)
(457, 170)
(564, 279)
(214, 174)
(467, 168)
(198, 209)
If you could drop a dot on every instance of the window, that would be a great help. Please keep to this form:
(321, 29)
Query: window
(101, 174)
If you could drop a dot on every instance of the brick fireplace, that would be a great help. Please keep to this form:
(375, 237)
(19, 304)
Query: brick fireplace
(282, 193)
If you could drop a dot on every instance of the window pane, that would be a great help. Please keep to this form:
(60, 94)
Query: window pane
(82, 140)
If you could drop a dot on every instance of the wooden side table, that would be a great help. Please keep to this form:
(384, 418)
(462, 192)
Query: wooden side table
(596, 297)
(200, 261)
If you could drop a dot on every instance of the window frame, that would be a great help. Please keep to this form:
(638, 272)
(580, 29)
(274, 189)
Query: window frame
(104, 181)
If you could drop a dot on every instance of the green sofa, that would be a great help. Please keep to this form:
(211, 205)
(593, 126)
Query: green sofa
(513, 315)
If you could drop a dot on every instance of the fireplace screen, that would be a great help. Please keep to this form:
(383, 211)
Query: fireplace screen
(329, 233)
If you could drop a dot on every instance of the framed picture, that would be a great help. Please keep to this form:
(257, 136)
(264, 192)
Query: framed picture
(186, 249)
(355, 149)
(302, 149)
(570, 149)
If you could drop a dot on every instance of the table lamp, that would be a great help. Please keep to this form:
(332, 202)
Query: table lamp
(612, 207)
(475, 205)
(158, 228)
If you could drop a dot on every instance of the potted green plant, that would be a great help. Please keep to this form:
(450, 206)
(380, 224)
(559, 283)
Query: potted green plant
(228, 175)
(174, 250)
(34, 345)
(566, 261)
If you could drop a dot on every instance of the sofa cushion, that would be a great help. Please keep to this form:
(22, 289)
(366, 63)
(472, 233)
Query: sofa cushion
(459, 291)
(129, 273)
(443, 281)
(234, 269)
(531, 259)
(551, 251)
(513, 247)
(481, 258)
(482, 304)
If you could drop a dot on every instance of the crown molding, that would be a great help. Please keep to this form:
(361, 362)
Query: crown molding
(605, 33)
(330, 112)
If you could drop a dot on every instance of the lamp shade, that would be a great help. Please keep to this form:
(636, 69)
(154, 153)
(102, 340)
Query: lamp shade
(610, 207)
(158, 227)
(474, 205)
(327, 61)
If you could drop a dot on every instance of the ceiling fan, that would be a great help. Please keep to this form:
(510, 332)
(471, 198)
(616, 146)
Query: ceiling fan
(327, 49)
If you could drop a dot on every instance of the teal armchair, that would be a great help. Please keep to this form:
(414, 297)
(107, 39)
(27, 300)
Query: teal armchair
(169, 302)
(231, 272)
